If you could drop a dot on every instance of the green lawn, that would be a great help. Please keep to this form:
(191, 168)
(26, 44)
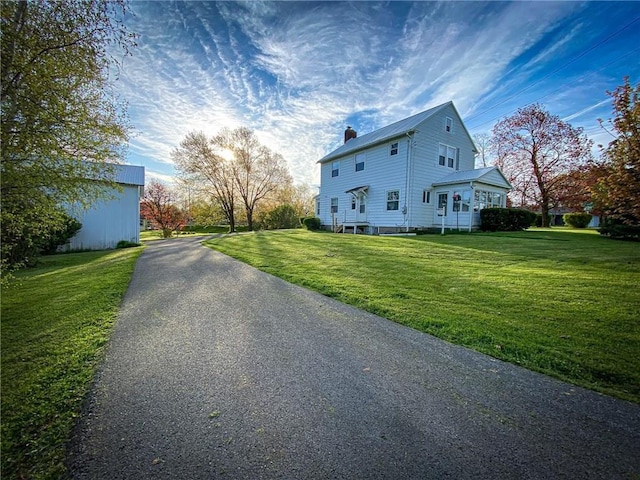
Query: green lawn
(562, 302)
(56, 318)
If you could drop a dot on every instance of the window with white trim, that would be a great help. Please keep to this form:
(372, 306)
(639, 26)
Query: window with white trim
(359, 162)
(353, 202)
(335, 169)
(318, 208)
(393, 199)
(426, 196)
(393, 149)
(486, 199)
(447, 155)
(448, 125)
(334, 205)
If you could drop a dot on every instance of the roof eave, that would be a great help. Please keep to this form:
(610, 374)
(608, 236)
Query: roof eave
(365, 146)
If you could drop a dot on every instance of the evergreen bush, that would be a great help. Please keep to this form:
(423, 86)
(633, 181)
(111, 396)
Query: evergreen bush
(505, 219)
(615, 228)
(312, 223)
(577, 220)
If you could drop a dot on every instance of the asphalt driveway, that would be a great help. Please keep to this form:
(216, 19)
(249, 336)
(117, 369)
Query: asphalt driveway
(218, 370)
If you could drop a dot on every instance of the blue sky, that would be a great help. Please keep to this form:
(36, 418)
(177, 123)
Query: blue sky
(298, 73)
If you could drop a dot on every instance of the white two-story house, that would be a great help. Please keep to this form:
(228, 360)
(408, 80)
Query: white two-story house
(417, 173)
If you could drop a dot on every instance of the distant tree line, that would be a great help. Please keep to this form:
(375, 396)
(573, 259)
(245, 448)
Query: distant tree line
(229, 178)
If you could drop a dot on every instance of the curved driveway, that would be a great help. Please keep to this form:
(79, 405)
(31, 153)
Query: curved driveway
(218, 370)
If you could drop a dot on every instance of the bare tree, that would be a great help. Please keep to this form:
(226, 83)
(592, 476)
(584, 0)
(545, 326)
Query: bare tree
(256, 169)
(483, 144)
(202, 162)
(536, 150)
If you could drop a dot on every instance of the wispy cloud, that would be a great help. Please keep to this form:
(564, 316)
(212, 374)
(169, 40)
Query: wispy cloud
(298, 72)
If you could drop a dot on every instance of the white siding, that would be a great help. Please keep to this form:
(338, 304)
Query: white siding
(493, 178)
(412, 171)
(110, 221)
(382, 172)
(426, 169)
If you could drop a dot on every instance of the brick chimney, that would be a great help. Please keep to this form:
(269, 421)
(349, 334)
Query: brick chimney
(349, 133)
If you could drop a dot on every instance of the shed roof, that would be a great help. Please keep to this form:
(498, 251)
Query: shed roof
(129, 174)
(383, 134)
(483, 175)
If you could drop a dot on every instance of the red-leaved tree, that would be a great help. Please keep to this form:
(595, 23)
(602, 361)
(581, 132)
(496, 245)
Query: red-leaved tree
(536, 151)
(158, 207)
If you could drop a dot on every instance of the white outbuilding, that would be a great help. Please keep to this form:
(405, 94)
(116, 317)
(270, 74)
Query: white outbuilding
(115, 218)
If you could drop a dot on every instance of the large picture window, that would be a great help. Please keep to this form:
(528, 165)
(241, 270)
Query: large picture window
(393, 199)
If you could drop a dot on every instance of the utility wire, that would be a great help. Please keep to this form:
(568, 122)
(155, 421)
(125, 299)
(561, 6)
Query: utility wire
(561, 87)
(582, 54)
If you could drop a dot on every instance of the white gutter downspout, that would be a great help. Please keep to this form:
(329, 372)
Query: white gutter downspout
(406, 209)
(471, 204)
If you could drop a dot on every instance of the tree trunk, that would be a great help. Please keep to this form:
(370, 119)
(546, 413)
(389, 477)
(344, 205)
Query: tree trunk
(545, 213)
(250, 219)
(232, 223)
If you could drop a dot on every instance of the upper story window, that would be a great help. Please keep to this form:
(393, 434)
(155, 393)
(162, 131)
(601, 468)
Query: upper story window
(393, 199)
(447, 156)
(393, 149)
(359, 162)
(335, 169)
(448, 124)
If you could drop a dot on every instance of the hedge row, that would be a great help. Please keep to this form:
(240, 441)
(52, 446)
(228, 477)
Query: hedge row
(505, 219)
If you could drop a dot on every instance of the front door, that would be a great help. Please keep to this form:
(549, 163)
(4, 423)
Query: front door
(361, 207)
(441, 208)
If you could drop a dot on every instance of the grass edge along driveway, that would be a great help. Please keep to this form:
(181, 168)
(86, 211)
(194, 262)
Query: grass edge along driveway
(56, 320)
(561, 302)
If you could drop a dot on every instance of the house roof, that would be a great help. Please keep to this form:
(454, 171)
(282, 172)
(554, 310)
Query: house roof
(383, 134)
(483, 175)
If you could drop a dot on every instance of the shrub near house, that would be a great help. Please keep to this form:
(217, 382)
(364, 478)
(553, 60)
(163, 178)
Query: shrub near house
(505, 219)
(577, 220)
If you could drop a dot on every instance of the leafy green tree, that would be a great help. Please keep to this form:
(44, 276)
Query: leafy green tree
(283, 216)
(536, 150)
(618, 191)
(60, 122)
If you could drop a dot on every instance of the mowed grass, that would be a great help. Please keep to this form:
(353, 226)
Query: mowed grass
(56, 319)
(562, 302)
